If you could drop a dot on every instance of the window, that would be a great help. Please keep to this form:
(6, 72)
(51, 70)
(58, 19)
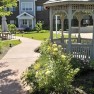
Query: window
(24, 22)
(39, 8)
(12, 21)
(27, 6)
(12, 9)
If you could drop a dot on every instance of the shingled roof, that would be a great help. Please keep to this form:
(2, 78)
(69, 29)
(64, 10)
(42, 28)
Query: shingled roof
(58, 2)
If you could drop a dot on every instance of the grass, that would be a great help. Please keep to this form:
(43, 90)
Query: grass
(38, 36)
(34, 35)
(5, 46)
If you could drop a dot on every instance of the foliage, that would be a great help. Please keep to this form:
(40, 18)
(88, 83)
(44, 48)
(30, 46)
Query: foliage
(38, 26)
(6, 4)
(78, 63)
(85, 81)
(0, 28)
(12, 28)
(92, 64)
(52, 72)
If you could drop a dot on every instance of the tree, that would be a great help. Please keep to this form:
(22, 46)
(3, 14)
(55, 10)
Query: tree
(6, 4)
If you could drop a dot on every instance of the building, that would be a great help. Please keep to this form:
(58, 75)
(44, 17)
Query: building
(27, 13)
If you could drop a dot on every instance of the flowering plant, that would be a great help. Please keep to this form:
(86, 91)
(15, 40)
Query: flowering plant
(52, 72)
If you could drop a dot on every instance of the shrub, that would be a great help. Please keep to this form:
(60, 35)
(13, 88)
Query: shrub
(52, 72)
(38, 26)
(82, 64)
(12, 28)
(92, 64)
(0, 28)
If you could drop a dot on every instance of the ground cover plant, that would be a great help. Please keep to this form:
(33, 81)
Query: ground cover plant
(52, 73)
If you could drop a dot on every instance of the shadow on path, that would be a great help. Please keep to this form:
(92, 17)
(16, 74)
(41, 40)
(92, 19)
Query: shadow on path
(3, 64)
(8, 85)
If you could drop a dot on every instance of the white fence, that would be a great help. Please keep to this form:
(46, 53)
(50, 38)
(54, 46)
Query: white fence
(78, 50)
(81, 51)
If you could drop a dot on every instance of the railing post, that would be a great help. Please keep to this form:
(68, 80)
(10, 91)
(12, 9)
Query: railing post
(51, 24)
(62, 28)
(79, 37)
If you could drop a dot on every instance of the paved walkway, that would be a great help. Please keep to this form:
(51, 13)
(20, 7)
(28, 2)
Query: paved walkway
(14, 63)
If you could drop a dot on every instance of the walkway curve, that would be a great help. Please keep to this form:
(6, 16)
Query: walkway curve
(13, 64)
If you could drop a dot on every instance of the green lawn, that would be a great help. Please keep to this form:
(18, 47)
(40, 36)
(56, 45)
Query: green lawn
(34, 35)
(38, 36)
(6, 44)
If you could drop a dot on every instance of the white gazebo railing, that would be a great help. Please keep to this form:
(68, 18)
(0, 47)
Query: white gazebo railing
(81, 51)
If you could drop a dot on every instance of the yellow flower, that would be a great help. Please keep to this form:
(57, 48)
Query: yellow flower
(55, 49)
(55, 53)
(37, 66)
(47, 72)
(63, 57)
(49, 48)
(59, 46)
(54, 45)
(37, 74)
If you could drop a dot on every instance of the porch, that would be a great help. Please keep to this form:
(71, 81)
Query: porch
(26, 20)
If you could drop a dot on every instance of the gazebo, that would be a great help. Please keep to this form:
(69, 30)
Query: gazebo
(78, 47)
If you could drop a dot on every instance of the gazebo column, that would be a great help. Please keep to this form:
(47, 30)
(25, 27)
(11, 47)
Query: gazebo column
(79, 37)
(92, 57)
(51, 24)
(62, 28)
(69, 21)
(79, 17)
(56, 24)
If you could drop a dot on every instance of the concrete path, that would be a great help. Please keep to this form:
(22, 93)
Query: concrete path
(14, 63)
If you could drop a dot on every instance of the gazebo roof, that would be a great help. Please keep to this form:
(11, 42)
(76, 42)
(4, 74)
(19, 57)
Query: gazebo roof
(59, 2)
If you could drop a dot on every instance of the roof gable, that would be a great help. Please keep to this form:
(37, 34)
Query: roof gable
(25, 14)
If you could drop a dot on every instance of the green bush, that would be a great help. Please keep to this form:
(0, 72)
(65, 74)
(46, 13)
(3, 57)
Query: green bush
(12, 28)
(79, 63)
(0, 28)
(38, 26)
(92, 64)
(52, 72)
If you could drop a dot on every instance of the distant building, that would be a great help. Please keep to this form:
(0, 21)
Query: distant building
(27, 13)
